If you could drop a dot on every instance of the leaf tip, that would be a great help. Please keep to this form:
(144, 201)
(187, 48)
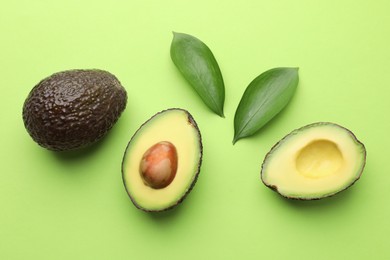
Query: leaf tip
(174, 34)
(295, 69)
(221, 114)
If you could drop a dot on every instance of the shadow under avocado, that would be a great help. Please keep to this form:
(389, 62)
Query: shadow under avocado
(81, 153)
(89, 150)
(166, 216)
(86, 152)
(334, 201)
(159, 219)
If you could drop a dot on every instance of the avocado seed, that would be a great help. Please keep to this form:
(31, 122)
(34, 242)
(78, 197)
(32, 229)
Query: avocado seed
(159, 165)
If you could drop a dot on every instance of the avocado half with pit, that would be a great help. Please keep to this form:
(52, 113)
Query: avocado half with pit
(314, 162)
(162, 160)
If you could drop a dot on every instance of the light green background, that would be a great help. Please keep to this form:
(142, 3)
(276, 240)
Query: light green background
(74, 206)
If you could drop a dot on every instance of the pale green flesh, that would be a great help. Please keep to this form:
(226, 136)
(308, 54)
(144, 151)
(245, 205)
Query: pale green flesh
(173, 126)
(313, 162)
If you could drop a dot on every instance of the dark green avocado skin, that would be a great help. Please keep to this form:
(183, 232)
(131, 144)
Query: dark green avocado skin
(73, 109)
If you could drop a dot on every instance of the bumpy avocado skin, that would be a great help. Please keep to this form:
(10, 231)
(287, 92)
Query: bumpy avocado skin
(73, 109)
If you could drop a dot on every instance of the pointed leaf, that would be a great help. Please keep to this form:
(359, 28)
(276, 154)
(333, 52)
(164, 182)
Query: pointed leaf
(197, 64)
(263, 99)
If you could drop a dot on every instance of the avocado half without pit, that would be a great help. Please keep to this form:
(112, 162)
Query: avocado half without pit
(162, 160)
(314, 162)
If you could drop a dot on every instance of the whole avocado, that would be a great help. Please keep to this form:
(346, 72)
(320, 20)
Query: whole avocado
(73, 109)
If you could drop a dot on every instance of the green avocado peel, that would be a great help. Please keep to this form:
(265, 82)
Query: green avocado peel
(197, 64)
(263, 99)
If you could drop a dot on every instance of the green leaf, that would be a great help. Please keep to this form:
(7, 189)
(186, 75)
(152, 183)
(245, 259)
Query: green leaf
(197, 64)
(263, 99)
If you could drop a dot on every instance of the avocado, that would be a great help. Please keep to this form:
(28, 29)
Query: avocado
(162, 160)
(74, 108)
(314, 162)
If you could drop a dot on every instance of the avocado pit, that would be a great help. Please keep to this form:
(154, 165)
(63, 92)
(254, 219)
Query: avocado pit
(158, 165)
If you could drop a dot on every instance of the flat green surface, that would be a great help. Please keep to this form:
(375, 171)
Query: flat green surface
(74, 206)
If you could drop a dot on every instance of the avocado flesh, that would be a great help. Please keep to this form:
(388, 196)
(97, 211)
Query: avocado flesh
(313, 162)
(178, 127)
(74, 108)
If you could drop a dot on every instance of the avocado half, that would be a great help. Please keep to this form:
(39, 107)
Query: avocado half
(313, 162)
(170, 141)
(74, 108)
